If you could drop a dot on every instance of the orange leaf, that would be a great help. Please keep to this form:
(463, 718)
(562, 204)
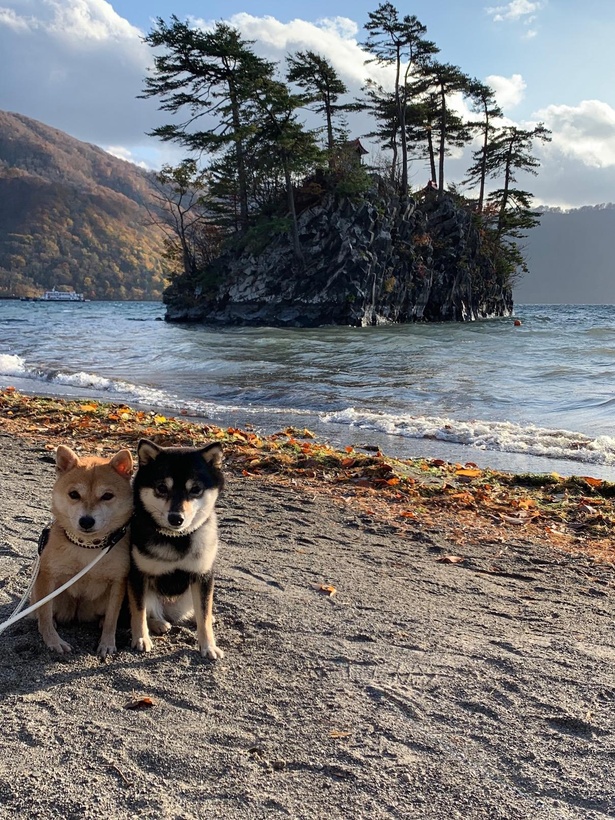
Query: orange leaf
(593, 482)
(451, 559)
(393, 481)
(86, 407)
(407, 514)
(348, 462)
(469, 473)
(329, 590)
(139, 704)
(349, 449)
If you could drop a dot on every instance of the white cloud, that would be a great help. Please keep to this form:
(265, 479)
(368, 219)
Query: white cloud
(508, 90)
(88, 21)
(124, 153)
(585, 132)
(76, 65)
(334, 37)
(515, 10)
(10, 19)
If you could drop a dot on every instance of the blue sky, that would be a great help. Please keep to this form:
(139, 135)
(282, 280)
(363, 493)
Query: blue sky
(79, 64)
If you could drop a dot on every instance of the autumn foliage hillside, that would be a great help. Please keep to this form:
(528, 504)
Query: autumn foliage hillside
(73, 216)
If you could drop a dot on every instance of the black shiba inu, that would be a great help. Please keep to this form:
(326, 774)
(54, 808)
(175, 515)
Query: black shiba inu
(174, 542)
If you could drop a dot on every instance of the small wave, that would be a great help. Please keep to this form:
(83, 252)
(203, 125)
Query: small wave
(76, 384)
(501, 436)
(11, 365)
(600, 332)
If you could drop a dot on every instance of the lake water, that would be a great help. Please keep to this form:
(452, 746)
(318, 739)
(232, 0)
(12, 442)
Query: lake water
(539, 397)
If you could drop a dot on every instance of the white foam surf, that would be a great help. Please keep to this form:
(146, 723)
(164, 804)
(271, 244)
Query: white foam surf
(502, 436)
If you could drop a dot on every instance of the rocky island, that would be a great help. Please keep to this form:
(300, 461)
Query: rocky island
(279, 224)
(372, 261)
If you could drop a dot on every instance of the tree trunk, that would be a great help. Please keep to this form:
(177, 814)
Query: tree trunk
(241, 171)
(442, 140)
(290, 198)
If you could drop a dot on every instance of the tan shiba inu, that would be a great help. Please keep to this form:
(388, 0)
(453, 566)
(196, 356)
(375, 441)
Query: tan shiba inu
(92, 507)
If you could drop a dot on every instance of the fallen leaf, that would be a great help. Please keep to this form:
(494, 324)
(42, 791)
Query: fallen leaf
(335, 733)
(593, 482)
(451, 559)
(468, 473)
(326, 588)
(139, 704)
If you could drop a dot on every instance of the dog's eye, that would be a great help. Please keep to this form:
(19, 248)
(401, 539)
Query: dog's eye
(161, 489)
(74, 495)
(107, 497)
(196, 489)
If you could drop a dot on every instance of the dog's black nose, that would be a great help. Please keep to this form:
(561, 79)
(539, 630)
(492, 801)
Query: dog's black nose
(175, 519)
(86, 522)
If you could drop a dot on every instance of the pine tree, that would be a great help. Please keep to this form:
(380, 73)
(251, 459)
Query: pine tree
(509, 153)
(438, 82)
(323, 87)
(279, 139)
(401, 43)
(483, 102)
(207, 74)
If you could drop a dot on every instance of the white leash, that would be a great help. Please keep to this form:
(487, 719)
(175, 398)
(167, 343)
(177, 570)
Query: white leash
(17, 615)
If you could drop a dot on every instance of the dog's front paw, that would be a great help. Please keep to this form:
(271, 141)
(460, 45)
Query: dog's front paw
(158, 626)
(143, 644)
(106, 650)
(211, 651)
(59, 646)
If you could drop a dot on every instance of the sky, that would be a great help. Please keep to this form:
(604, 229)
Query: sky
(79, 65)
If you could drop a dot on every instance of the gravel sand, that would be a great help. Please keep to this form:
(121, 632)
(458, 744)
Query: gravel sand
(420, 689)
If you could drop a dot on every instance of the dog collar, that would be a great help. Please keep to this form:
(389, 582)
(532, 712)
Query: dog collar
(98, 543)
(179, 533)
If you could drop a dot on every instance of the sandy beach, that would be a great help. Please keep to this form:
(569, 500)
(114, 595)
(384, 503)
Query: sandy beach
(423, 688)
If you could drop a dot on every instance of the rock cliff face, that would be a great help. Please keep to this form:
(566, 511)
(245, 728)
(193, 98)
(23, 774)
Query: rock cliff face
(368, 262)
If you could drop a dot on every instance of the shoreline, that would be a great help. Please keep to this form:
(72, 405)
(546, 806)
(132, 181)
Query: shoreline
(571, 513)
(424, 687)
(341, 435)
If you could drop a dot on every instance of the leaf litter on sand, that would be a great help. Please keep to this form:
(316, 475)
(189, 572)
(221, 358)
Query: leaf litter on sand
(461, 501)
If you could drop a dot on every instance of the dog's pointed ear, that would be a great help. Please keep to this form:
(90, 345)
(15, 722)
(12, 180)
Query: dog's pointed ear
(147, 451)
(66, 459)
(122, 463)
(212, 454)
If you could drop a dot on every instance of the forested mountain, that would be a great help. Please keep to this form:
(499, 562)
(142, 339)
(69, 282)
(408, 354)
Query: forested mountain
(73, 216)
(571, 258)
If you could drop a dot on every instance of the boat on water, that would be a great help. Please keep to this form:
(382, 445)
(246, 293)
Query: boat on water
(56, 296)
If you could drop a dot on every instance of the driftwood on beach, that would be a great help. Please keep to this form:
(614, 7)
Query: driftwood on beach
(416, 665)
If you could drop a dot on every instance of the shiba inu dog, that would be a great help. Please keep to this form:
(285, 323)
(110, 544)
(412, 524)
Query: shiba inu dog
(174, 542)
(92, 507)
